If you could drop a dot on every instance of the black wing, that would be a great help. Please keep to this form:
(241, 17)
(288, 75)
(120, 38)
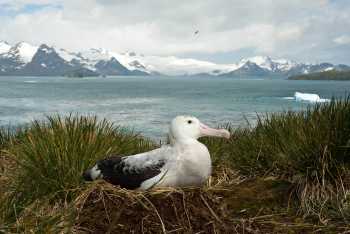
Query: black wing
(117, 172)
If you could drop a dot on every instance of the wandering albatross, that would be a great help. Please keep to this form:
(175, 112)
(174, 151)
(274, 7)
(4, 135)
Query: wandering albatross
(183, 162)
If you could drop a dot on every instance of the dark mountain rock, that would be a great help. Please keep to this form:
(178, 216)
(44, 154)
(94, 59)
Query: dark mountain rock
(112, 67)
(248, 69)
(46, 62)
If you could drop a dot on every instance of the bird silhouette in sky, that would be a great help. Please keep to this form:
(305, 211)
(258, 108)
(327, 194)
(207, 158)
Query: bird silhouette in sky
(196, 32)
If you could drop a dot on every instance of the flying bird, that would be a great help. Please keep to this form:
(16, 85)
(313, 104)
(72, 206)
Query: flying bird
(196, 32)
(183, 162)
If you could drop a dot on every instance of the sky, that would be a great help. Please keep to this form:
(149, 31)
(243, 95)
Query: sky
(228, 30)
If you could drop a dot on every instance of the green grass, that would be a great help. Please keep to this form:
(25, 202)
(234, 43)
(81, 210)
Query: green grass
(42, 164)
(54, 154)
(310, 148)
(51, 155)
(325, 75)
(5, 137)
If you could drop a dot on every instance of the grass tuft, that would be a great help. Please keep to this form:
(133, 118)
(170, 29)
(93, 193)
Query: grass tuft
(309, 148)
(52, 155)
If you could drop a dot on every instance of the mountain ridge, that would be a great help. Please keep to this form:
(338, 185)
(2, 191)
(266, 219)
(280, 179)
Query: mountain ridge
(26, 59)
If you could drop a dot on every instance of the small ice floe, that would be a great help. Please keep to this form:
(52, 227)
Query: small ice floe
(307, 97)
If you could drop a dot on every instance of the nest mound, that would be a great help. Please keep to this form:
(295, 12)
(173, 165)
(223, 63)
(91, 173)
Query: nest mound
(103, 208)
(6, 164)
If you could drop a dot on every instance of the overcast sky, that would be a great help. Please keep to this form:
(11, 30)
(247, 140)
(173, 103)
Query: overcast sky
(303, 30)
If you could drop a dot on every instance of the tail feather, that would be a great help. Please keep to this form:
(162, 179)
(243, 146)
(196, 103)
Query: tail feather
(92, 174)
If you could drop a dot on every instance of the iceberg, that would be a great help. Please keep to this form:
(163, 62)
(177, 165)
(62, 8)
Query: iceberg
(308, 97)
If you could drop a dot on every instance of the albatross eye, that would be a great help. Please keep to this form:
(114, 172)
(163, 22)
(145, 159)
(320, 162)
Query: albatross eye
(189, 121)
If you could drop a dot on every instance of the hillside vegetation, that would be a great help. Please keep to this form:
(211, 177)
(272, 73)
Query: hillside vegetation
(326, 75)
(289, 173)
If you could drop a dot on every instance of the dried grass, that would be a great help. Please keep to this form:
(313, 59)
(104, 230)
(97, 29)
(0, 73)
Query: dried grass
(103, 208)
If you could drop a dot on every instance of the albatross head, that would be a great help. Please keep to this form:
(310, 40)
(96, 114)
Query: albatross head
(188, 127)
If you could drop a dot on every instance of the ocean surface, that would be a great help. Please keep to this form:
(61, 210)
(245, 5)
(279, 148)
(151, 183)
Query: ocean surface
(147, 104)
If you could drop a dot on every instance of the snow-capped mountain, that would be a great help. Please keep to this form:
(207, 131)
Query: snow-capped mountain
(26, 59)
(264, 65)
(23, 52)
(248, 68)
(15, 57)
(267, 63)
(101, 61)
(4, 47)
(47, 62)
(254, 66)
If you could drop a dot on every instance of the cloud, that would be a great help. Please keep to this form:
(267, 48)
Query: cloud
(342, 40)
(298, 29)
(18, 5)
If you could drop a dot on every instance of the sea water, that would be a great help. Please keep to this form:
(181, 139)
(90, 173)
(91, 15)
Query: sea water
(147, 104)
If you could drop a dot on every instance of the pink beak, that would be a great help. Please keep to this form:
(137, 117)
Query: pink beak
(207, 131)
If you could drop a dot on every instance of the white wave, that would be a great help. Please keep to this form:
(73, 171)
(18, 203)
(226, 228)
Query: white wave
(31, 81)
(63, 104)
(289, 98)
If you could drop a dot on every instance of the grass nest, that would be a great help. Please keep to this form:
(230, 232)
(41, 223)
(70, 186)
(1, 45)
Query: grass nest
(103, 208)
(243, 206)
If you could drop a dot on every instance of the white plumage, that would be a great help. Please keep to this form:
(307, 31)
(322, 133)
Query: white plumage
(184, 162)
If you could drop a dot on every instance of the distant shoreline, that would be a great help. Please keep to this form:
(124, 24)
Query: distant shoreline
(326, 75)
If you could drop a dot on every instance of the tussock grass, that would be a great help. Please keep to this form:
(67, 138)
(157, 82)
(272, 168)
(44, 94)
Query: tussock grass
(50, 157)
(53, 154)
(5, 136)
(289, 172)
(310, 148)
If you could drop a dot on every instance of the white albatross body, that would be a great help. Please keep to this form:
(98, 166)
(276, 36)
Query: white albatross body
(184, 162)
(185, 165)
